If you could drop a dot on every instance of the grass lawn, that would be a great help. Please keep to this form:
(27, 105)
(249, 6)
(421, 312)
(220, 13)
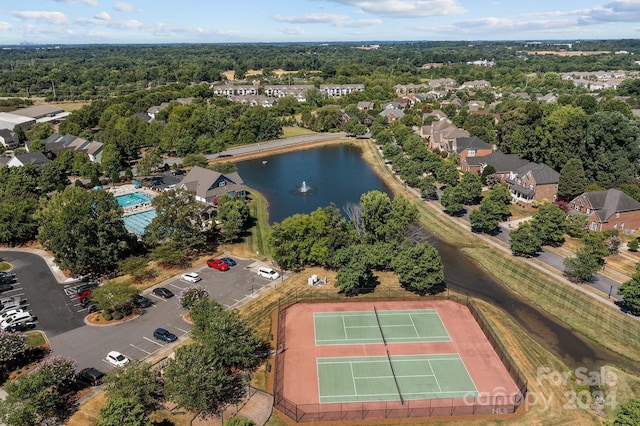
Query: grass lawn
(4, 266)
(290, 132)
(35, 339)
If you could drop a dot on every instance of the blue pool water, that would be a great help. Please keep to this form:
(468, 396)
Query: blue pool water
(138, 222)
(132, 199)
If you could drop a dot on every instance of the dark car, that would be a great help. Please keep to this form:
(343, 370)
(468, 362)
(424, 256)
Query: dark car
(20, 326)
(141, 302)
(7, 278)
(178, 172)
(229, 261)
(91, 307)
(5, 286)
(156, 181)
(165, 293)
(84, 287)
(90, 376)
(164, 335)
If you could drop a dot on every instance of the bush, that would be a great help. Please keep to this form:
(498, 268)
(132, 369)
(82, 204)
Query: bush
(117, 316)
(633, 245)
(106, 316)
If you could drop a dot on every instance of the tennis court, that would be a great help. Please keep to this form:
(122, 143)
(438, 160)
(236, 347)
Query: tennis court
(383, 326)
(394, 378)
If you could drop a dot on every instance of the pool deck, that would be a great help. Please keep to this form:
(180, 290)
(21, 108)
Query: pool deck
(130, 189)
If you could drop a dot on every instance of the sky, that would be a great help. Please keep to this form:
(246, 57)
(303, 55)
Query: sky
(241, 21)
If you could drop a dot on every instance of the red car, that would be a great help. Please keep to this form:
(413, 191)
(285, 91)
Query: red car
(217, 264)
(84, 296)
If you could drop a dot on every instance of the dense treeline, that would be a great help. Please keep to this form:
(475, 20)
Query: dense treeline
(97, 72)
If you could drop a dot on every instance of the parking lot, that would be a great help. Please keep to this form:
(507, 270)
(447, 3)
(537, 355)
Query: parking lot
(61, 316)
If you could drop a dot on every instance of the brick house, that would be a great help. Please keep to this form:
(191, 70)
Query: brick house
(606, 210)
(533, 181)
(471, 147)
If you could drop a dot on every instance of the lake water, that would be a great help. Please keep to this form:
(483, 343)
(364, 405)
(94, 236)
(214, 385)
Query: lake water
(331, 174)
(338, 174)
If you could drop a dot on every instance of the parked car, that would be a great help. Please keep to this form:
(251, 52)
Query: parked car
(265, 272)
(178, 172)
(156, 181)
(21, 326)
(5, 287)
(90, 376)
(141, 302)
(163, 292)
(164, 335)
(192, 277)
(14, 319)
(12, 299)
(10, 305)
(84, 287)
(229, 261)
(84, 296)
(7, 276)
(115, 358)
(10, 312)
(91, 307)
(217, 264)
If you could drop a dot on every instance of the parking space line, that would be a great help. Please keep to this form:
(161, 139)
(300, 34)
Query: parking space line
(140, 349)
(152, 341)
(176, 286)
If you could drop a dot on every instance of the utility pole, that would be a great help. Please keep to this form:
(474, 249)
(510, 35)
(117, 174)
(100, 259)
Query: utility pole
(54, 89)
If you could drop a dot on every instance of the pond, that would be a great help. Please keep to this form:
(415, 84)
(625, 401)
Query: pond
(302, 181)
(338, 174)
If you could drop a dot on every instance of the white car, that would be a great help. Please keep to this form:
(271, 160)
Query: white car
(15, 318)
(192, 277)
(117, 359)
(268, 273)
(9, 313)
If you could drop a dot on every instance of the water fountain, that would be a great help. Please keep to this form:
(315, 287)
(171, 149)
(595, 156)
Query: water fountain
(304, 187)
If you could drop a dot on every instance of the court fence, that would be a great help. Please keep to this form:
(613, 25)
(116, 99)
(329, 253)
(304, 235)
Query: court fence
(444, 407)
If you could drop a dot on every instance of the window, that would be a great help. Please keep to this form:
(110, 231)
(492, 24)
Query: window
(472, 153)
(617, 215)
(594, 226)
(588, 211)
(222, 183)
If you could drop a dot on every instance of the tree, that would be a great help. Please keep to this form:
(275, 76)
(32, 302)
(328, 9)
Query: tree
(419, 268)
(483, 219)
(629, 413)
(572, 181)
(190, 296)
(451, 200)
(12, 345)
(238, 421)
(114, 296)
(582, 265)
(487, 171)
(630, 292)
(178, 219)
(123, 412)
(84, 230)
(633, 245)
(135, 382)
(524, 240)
(593, 242)
(549, 224)
(233, 212)
(17, 219)
(192, 381)
(447, 173)
(191, 160)
(576, 225)
(471, 186)
(354, 277)
(150, 160)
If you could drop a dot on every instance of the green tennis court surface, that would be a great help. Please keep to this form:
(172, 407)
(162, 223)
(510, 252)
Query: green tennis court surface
(361, 327)
(366, 379)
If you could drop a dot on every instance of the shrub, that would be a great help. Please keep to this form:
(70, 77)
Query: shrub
(633, 245)
(106, 316)
(117, 316)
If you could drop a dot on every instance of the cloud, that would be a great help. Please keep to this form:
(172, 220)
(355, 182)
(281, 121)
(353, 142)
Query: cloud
(56, 18)
(406, 8)
(103, 16)
(5, 26)
(93, 3)
(292, 30)
(326, 18)
(125, 7)
(613, 11)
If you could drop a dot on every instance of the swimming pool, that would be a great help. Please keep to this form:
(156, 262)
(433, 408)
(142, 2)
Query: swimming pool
(132, 199)
(138, 222)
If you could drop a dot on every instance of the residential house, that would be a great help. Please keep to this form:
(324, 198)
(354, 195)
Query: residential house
(475, 106)
(392, 114)
(475, 84)
(504, 164)
(430, 65)
(9, 139)
(442, 82)
(365, 106)
(254, 100)
(209, 185)
(338, 90)
(607, 210)
(36, 158)
(281, 90)
(442, 134)
(548, 98)
(438, 114)
(402, 89)
(57, 143)
(471, 147)
(533, 181)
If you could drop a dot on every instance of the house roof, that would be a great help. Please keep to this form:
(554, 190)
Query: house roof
(201, 181)
(8, 135)
(35, 157)
(503, 163)
(473, 142)
(609, 202)
(543, 174)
